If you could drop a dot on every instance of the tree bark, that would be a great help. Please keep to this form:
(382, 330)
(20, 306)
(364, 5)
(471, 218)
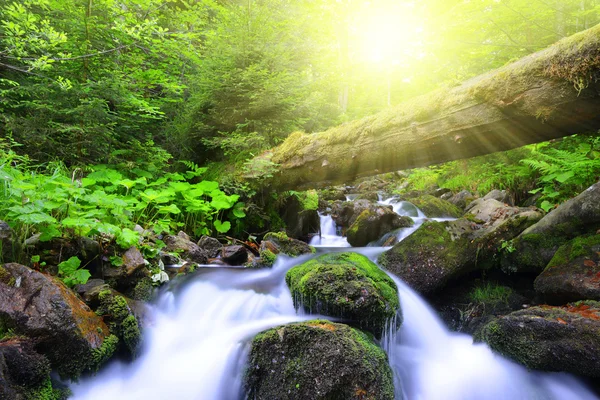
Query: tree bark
(546, 95)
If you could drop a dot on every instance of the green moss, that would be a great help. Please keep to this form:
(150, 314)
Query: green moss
(490, 293)
(120, 319)
(435, 207)
(268, 257)
(144, 289)
(6, 277)
(103, 353)
(346, 285)
(286, 245)
(47, 392)
(279, 236)
(318, 359)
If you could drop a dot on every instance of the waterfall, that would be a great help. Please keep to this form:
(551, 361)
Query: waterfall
(198, 344)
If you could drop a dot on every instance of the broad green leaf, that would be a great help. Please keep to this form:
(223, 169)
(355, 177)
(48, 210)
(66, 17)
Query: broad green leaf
(127, 238)
(565, 176)
(170, 209)
(69, 266)
(48, 233)
(79, 277)
(222, 227)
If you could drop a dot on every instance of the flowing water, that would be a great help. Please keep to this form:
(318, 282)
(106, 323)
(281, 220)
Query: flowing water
(197, 345)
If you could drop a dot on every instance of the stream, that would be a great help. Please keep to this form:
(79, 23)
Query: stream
(197, 345)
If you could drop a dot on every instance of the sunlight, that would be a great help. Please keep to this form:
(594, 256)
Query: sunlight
(390, 33)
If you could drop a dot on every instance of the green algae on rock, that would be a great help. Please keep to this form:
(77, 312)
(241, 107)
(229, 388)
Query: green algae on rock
(349, 286)
(550, 338)
(573, 273)
(317, 360)
(435, 207)
(373, 223)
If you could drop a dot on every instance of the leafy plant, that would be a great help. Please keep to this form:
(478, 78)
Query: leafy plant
(71, 273)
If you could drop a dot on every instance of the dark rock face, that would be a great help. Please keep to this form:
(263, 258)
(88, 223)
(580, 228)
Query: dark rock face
(24, 374)
(187, 249)
(234, 255)
(573, 273)
(439, 252)
(210, 245)
(300, 223)
(317, 360)
(536, 246)
(373, 223)
(500, 195)
(63, 327)
(345, 213)
(550, 338)
(434, 207)
(130, 273)
(348, 286)
(462, 199)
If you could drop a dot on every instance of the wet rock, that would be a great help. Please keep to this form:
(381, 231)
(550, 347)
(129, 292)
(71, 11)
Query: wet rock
(345, 213)
(348, 286)
(127, 275)
(63, 327)
(332, 194)
(373, 223)
(573, 273)
(89, 287)
(434, 207)
(462, 199)
(535, 247)
(550, 338)
(210, 245)
(279, 242)
(317, 360)
(300, 222)
(500, 195)
(371, 196)
(234, 255)
(440, 192)
(171, 259)
(24, 373)
(439, 252)
(187, 249)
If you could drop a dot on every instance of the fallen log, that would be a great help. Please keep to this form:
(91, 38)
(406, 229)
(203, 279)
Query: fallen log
(550, 94)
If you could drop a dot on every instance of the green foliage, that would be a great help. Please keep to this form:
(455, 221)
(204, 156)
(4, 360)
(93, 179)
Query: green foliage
(490, 293)
(71, 274)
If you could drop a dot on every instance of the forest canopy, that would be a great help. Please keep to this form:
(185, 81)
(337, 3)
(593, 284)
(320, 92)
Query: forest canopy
(106, 81)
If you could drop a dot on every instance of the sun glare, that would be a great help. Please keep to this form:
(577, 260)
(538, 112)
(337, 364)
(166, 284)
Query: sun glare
(389, 33)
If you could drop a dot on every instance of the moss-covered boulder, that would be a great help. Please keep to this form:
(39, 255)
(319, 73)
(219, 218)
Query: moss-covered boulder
(550, 338)
(279, 242)
(24, 373)
(439, 252)
(373, 223)
(535, 247)
(462, 199)
(345, 213)
(317, 360)
(187, 249)
(573, 273)
(348, 286)
(62, 326)
(434, 207)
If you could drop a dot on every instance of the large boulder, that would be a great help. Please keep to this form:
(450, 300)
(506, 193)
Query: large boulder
(535, 247)
(373, 223)
(317, 360)
(299, 213)
(434, 207)
(501, 195)
(62, 326)
(24, 373)
(210, 245)
(129, 273)
(345, 213)
(348, 286)
(550, 338)
(439, 252)
(573, 273)
(279, 242)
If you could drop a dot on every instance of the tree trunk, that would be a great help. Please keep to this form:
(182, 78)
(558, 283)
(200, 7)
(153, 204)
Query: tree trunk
(549, 94)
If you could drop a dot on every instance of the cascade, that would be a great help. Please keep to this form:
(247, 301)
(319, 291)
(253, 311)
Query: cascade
(197, 344)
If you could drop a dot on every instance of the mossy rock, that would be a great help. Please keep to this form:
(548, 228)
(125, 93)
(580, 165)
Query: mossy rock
(536, 246)
(317, 360)
(279, 242)
(120, 319)
(565, 339)
(573, 273)
(434, 207)
(434, 254)
(346, 285)
(25, 374)
(373, 223)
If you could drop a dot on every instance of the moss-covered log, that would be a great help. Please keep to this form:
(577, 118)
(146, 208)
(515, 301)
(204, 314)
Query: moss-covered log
(549, 94)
